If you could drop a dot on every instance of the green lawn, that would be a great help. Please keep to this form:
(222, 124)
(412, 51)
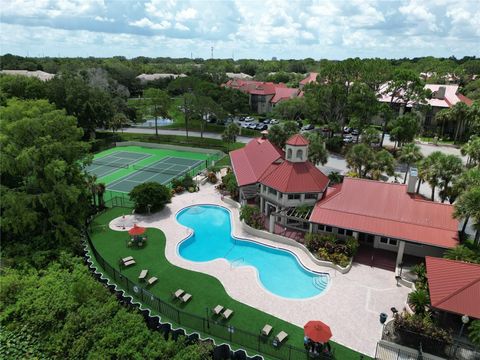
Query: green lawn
(207, 291)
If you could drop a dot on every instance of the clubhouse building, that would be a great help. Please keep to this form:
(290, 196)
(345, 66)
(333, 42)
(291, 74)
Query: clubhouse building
(293, 193)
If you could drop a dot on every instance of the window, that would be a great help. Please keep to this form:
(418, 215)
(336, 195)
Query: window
(289, 153)
(321, 227)
(384, 240)
(393, 242)
(299, 153)
(293, 196)
(341, 231)
(272, 191)
(311, 196)
(349, 232)
(328, 228)
(388, 241)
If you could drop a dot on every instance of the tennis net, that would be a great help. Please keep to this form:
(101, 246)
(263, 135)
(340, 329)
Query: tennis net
(105, 163)
(161, 170)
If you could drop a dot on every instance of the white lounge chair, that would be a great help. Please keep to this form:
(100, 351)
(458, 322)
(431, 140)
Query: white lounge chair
(143, 275)
(129, 262)
(282, 335)
(267, 329)
(152, 280)
(128, 258)
(186, 297)
(177, 294)
(218, 309)
(227, 313)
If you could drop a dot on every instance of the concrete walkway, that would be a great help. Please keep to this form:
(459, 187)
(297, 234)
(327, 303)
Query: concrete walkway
(350, 306)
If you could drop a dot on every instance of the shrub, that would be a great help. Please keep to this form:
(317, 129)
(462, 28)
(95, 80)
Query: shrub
(150, 194)
(352, 245)
(419, 299)
(187, 181)
(212, 178)
(191, 189)
(474, 332)
(176, 182)
(179, 189)
(230, 184)
(252, 216)
(422, 327)
(334, 144)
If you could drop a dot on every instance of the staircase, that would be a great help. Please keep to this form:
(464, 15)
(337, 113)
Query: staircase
(320, 282)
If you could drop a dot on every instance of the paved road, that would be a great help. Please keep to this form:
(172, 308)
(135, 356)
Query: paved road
(242, 139)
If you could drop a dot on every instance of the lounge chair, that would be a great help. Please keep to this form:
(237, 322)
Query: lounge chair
(218, 309)
(129, 262)
(128, 258)
(186, 297)
(152, 280)
(281, 336)
(177, 294)
(143, 275)
(227, 313)
(267, 329)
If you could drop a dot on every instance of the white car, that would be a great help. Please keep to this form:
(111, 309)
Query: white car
(347, 139)
(249, 119)
(273, 122)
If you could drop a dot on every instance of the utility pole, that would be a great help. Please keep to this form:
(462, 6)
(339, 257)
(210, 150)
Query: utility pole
(211, 53)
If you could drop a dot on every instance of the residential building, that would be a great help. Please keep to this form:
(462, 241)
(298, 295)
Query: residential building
(443, 97)
(144, 78)
(41, 75)
(311, 78)
(385, 216)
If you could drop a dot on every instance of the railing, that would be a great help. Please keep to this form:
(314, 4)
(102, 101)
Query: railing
(206, 327)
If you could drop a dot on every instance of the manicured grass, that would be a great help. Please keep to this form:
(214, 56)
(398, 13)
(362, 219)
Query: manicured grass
(207, 291)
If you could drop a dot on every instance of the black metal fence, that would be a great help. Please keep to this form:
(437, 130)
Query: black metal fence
(253, 343)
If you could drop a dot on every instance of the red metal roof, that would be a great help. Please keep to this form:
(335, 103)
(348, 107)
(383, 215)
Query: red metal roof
(312, 77)
(454, 286)
(297, 140)
(387, 209)
(251, 161)
(290, 177)
(283, 93)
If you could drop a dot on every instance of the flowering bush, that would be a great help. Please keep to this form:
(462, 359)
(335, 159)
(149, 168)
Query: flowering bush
(330, 248)
(252, 216)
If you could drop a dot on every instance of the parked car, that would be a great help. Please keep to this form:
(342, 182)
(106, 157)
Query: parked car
(245, 125)
(308, 127)
(355, 132)
(252, 126)
(261, 127)
(347, 130)
(249, 119)
(273, 121)
(266, 121)
(347, 139)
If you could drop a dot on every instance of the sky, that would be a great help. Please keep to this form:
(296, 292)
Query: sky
(261, 29)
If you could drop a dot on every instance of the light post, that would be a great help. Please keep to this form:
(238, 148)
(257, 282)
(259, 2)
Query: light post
(465, 320)
(149, 206)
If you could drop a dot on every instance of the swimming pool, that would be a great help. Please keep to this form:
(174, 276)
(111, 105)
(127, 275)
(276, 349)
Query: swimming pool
(279, 271)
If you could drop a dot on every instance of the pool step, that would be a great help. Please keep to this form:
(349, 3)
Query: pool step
(237, 262)
(320, 282)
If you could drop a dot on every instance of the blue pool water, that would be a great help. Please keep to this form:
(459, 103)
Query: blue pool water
(279, 271)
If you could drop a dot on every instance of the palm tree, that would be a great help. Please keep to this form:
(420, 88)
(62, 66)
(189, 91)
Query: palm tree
(429, 171)
(92, 185)
(461, 253)
(409, 154)
(449, 166)
(159, 103)
(317, 152)
(472, 150)
(458, 114)
(468, 207)
(100, 192)
(360, 159)
(419, 299)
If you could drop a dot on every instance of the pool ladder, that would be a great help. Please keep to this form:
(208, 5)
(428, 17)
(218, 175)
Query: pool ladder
(236, 262)
(320, 282)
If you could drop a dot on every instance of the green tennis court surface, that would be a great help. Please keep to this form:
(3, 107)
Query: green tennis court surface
(108, 164)
(162, 171)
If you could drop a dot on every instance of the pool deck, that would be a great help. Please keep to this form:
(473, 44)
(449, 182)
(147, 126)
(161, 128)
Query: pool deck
(350, 306)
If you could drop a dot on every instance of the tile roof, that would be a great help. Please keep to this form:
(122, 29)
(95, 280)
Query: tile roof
(452, 96)
(297, 140)
(251, 161)
(387, 209)
(290, 177)
(312, 77)
(284, 93)
(454, 286)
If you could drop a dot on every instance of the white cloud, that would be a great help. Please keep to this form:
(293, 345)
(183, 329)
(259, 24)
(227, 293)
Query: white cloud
(186, 14)
(147, 23)
(104, 19)
(181, 27)
(51, 8)
(416, 10)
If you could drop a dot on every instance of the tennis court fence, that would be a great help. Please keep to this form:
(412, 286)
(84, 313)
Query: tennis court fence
(252, 343)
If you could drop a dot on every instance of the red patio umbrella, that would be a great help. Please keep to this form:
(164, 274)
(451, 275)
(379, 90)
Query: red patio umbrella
(317, 331)
(136, 230)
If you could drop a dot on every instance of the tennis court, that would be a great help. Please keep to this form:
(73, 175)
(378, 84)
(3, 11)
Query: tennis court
(162, 171)
(110, 163)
